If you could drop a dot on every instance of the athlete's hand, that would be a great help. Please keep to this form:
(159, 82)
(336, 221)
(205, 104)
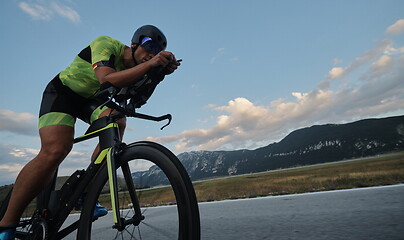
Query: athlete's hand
(171, 67)
(165, 61)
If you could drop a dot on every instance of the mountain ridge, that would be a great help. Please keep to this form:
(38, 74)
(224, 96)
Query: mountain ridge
(305, 146)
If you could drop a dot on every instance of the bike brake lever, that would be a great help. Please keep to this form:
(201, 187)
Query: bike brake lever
(108, 101)
(169, 117)
(109, 92)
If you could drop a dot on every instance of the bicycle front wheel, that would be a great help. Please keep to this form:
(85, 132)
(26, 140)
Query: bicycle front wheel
(170, 210)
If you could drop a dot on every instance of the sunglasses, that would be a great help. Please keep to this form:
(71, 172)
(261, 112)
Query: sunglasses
(151, 47)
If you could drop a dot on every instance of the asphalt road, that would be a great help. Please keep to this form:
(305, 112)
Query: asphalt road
(366, 213)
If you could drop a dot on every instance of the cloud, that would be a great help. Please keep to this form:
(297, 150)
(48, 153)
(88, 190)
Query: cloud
(336, 72)
(11, 162)
(14, 168)
(14, 158)
(75, 160)
(41, 10)
(383, 65)
(19, 123)
(24, 153)
(8, 173)
(384, 46)
(66, 12)
(394, 51)
(36, 11)
(396, 28)
(244, 124)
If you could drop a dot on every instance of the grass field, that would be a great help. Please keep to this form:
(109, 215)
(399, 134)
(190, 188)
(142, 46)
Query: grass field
(376, 171)
(343, 175)
(385, 170)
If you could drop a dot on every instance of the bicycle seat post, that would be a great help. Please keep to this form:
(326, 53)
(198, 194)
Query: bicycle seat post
(44, 197)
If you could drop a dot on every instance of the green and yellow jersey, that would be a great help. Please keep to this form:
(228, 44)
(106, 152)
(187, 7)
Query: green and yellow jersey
(80, 76)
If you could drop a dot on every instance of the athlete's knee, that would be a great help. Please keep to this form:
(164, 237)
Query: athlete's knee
(54, 154)
(57, 141)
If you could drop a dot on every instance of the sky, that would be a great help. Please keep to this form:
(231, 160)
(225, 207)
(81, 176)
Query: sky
(252, 71)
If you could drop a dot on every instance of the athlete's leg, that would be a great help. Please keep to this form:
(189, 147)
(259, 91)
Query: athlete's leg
(56, 143)
(99, 210)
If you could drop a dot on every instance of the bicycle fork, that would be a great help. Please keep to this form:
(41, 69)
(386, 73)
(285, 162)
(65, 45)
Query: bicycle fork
(111, 147)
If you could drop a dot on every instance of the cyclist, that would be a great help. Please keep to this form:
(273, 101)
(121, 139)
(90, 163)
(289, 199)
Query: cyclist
(68, 97)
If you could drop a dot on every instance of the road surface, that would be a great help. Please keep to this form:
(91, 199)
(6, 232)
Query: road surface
(365, 213)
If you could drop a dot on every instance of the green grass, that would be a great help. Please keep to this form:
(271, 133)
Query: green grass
(384, 170)
(343, 175)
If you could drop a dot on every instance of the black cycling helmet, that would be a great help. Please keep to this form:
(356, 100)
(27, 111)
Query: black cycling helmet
(151, 32)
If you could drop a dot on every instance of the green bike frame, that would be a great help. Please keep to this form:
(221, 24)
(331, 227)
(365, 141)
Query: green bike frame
(110, 142)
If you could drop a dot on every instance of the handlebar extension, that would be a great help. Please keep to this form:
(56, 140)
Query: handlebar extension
(107, 94)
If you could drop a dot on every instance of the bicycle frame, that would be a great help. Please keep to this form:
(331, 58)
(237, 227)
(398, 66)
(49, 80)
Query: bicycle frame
(56, 205)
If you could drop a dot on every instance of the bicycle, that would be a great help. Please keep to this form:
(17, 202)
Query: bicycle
(131, 218)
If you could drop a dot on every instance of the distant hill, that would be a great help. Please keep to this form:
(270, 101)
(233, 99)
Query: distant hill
(306, 146)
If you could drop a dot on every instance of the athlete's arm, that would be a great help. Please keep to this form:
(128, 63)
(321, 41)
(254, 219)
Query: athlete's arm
(129, 76)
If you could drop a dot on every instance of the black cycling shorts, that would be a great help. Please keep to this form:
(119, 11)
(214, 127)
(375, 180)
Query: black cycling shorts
(61, 106)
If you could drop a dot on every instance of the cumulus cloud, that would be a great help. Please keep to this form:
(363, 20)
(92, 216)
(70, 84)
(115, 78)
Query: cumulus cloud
(244, 124)
(20, 123)
(336, 72)
(41, 10)
(396, 28)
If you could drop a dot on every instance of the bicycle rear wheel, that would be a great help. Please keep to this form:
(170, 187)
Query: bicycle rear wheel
(30, 226)
(171, 211)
